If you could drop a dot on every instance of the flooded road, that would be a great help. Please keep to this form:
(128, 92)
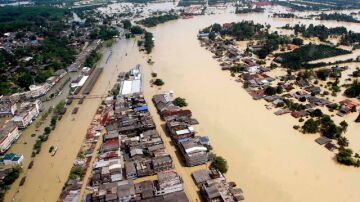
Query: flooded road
(267, 158)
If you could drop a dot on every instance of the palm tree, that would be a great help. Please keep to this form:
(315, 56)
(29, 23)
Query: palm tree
(343, 141)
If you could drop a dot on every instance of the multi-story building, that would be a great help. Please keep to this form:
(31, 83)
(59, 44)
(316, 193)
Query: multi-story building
(168, 182)
(193, 152)
(8, 134)
(7, 108)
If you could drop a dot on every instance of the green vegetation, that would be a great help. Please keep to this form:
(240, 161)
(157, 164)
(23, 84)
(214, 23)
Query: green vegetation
(353, 90)
(148, 42)
(137, 30)
(76, 172)
(104, 32)
(158, 82)
(186, 3)
(347, 37)
(126, 24)
(180, 102)
(8, 180)
(92, 59)
(357, 120)
(249, 10)
(338, 17)
(319, 31)
(155, 20)
(244, 30)
(214, 2)
(323, 74)
(284, 15)
(344, 156)
(29, 18)
(300, 56)
(304, 5)
(311, 126)
(220, 164)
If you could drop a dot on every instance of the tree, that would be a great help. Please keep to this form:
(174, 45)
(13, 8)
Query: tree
(126, 23)
(353, 90)
(47, 130)
(316, 113)
(137, 30)
(345, 156)
(311, 126)
(298, 41)
(279, 89)
(343, 141)
(53, 120)
(344, 125)
(180, 102)
(357, 120)
(331, 130)
(212, 36)
(159, 82)
(323, 74)
(25, 80)
(220, 164)
(270, 90)
(216, 27)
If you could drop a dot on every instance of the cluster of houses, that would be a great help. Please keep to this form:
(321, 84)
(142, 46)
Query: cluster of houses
(179, 125)
(131, 149)
(255, 79)
(194, 150)
(71, 189)
(21, 118)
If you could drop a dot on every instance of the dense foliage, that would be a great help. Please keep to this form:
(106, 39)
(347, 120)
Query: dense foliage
(148, 42)
(319, 31)
(29, 18)
(338, 17)
(155, 20)
(303, 5)
(220, 164)
(300, 56)
(353, 90)
(180, 102)
(249, 10)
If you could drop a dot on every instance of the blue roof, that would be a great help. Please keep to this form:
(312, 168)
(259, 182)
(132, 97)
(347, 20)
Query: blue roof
(9, 156)
(142, 108)
(203, 34)
(204, 139)
(184, 139)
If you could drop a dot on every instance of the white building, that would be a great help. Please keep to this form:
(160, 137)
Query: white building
(9, 133)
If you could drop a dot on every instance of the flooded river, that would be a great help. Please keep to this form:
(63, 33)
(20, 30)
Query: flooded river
(267, 158)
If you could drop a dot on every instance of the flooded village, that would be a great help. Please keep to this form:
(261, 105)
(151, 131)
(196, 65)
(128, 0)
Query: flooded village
(122, 138)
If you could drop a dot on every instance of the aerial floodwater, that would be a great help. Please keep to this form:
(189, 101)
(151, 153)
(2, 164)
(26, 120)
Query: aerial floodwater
(266, 156)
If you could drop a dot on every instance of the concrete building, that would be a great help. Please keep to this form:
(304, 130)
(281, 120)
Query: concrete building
(168, 182)
(7, 108)
(9, 133)
(193, 152)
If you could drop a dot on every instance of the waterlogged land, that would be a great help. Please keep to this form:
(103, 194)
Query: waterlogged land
(267, 157)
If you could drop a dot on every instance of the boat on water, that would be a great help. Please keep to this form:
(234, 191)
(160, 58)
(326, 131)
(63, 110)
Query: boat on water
(53, 152)
(31, 164)
(22, 181)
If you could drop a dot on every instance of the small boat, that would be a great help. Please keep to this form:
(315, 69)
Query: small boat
(75, 110)
(22, 181)
(53, 152)
(30, 164)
